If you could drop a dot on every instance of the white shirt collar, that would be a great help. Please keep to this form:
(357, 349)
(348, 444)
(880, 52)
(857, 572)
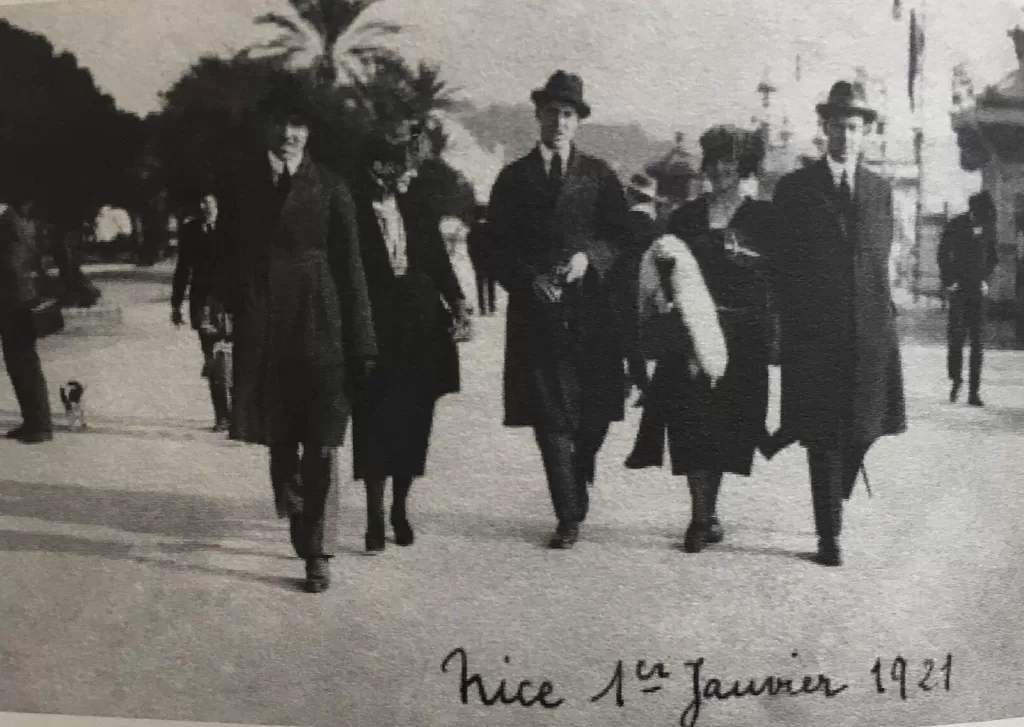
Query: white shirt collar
(837, 169)
(277, 164)
(547, 153)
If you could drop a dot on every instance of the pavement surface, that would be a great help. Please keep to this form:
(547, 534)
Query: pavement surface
(144, 574)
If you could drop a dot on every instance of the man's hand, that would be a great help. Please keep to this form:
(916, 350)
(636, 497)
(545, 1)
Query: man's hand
(176, 317)
(576, 268)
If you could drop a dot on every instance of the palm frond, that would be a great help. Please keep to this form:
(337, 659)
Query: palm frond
(281, 21)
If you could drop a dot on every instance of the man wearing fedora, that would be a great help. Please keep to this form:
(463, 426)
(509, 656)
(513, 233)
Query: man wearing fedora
(558, 222)
(293, 281)
(842, 379)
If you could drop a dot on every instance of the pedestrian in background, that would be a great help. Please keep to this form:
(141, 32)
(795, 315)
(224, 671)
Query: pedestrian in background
(967, 259)
(198, 250)
(478, 243)
(18, 335)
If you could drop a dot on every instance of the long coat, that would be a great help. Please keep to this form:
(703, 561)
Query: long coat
(562, 363)
(294, 280)
(417, 357)
(17, 253)
(842, 375)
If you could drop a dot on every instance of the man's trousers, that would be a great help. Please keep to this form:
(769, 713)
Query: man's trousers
(966, 319)
(26, 371)
(833, 468)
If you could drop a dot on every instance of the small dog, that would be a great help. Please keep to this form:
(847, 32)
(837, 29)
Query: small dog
(71, 397)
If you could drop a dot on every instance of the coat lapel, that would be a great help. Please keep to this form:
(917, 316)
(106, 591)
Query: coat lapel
(823, 188)
(571, 178)
(537, 178)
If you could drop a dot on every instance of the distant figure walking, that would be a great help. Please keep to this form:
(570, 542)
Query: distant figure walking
(18, 335)
(479, 245)
(967, 259)
(194, 272)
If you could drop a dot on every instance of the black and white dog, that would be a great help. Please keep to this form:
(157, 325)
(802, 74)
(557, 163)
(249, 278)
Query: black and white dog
(71, 396)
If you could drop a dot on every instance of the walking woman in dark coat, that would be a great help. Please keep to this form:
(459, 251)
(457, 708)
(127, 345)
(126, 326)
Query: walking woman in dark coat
(714, 428)
(416, 298)
(292, 278)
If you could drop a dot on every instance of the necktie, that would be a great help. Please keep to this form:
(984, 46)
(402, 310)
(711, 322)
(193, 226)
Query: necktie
(284, 183)
(844, 189)
(556, 172)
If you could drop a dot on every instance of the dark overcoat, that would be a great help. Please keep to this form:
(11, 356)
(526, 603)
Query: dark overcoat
(198, 251)
(561, 362)
(293, 279)
(417, 356)
(842, 376)
(17, 256)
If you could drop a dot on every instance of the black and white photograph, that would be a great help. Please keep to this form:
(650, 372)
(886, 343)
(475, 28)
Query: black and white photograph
(512, 362)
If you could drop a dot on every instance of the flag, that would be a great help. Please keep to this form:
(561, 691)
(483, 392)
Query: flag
(916, 56)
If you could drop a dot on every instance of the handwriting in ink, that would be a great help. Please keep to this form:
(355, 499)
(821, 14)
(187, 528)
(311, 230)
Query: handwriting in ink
(643, 674)
(714, 688)
(900, 674)
(500, 695)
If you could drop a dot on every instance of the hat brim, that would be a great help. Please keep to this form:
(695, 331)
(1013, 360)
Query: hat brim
(827, 110)
(541, 97)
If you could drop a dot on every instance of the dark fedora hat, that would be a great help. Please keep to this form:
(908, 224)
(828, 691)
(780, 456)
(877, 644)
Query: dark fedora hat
(565, 88)
(848, 99)
(286, 98)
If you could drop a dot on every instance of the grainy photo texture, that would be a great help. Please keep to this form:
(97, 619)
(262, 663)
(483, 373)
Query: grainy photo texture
(512, 362)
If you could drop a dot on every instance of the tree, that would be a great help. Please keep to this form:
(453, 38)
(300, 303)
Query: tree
(329, 34)
(65, 146)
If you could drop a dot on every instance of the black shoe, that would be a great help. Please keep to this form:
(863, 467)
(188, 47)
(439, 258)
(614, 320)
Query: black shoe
(829, 553)
(222, 425)
(975, 400)
(715, 533)
(954, 392)
(565, 537)
(318, 575)
(404, 535)
(35, 437)
(696, 538)
(16, 432)
(375, 542)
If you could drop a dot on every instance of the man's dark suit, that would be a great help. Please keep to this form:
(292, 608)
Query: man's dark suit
(293, 280)
(198, 249)
(563, 362)
(967, 258)
(842, 381)
(17, 293)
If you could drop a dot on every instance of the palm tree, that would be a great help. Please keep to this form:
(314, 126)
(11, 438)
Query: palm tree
(329, 29)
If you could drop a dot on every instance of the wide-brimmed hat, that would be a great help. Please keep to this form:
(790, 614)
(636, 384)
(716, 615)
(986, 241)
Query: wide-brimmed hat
(286, 97)
(848, 99)
(644, 186)
(565, 88)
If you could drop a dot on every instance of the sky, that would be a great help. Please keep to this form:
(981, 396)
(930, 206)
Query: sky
(667, 64)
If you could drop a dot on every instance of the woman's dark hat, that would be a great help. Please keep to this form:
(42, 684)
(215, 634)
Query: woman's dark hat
(286, 98)
(565, 88)
(847, 99)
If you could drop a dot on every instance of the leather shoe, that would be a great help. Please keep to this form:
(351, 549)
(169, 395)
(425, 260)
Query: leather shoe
(375, 543)
(954, 392)
(696, 538)
(318, 575)
(829, 553)
(15, 433)
(975, 400)
(565, 537)
(35, 437)
(715, 533)
(404, 535)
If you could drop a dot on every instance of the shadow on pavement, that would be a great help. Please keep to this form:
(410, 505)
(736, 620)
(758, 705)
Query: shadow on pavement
(19, 541)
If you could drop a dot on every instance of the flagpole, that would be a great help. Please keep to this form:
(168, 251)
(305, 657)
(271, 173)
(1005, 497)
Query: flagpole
(921, 16)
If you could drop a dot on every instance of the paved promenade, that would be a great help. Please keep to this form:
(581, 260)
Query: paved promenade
(145, 575)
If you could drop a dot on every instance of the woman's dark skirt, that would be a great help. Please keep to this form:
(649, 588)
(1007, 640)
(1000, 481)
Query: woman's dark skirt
(393, 409)
(715, 429)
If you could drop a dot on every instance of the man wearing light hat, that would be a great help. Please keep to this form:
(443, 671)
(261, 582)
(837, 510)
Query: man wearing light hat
(558, 222)
(842, 379)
